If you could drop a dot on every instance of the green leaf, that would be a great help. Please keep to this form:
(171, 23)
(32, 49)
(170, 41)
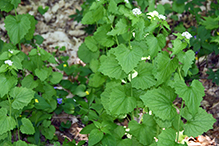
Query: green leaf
(94, 137)
(139, 30)
(15, 2)
(113, 7)
(41, 10)
(4, 55)
(39, 39)
(17, 28)
(68, 108)
(3, 68)
(179, 8)
(143, 4)
(17, 62)
(160, 101)
(96, 80)
(42, 103)
(178, 46)
(56, 77)
(80, 90)
(41, 73)
(153, 45)
(210, 23)
(120, 103)
(49, 132)
(6, 83)
(167, 138)
(192, 94)
(120, 28)
(94, 65)
(109, 66)
(87, 55)
(87, 129)
(22, 143)
(214, 76)
(5, 5)
(31, 31)
(145, 78)
(101, 36)
(27, 126)
(93, 16)
(22, 97)
(186, 58)
(91, 43)
(29, 82)
(165, 67)
(128, 58)
(7, 123)
(201, 122)
(144, 132)
(105, 96)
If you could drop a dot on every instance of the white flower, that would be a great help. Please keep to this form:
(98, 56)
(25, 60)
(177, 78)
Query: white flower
(127, 129)
(127, 1)
(9, 62)
(152, 14)
(10, 51)
(186, 34)
(136, 11)
(162, 17)
(129, 136)
(146, 58)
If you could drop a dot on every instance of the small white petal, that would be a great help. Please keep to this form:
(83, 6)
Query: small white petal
(127, 1)
(127, 130)
(129, 136)
(10, 51)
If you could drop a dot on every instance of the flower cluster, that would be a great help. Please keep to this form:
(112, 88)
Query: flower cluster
(187, 35)
(9, 62)
(136, 11)
(155, 13)
(162, 17)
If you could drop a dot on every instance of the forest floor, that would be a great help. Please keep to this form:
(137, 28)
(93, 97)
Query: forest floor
(59, 30)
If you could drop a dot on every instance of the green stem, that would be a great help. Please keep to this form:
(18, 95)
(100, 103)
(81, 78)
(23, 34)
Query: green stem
(19, 45)
(179, 120)
(9, 132)
(15, 11)
(18, 128)
(179, 72)
(133, 115)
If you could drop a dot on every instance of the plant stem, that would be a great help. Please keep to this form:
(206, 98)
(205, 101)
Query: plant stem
(9, 132)
(179, 120)
(179, 72)
(15, 11)
(18, 128)
(133, 115)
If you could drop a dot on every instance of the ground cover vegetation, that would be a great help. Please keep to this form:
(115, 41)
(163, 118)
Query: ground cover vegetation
(130, 74)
